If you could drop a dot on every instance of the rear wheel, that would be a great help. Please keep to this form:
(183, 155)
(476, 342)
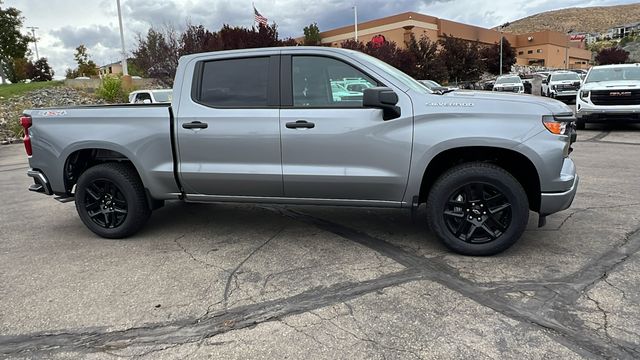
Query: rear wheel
(111, 200)
(477, 209)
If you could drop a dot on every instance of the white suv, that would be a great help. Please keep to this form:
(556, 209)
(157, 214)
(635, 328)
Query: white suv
(609, 92)
(509, 83)
(561, 85)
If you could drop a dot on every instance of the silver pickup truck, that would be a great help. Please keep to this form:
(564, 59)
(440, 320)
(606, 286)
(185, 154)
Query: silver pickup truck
(263, 126)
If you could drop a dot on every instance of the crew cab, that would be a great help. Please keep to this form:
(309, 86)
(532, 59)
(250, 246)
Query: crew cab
(262, 126)
(509, 83)
(609, 93)
(561, 85)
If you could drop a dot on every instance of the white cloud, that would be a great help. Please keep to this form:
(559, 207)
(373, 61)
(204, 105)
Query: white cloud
(65, 24)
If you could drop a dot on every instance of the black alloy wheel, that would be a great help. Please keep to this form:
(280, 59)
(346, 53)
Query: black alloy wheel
(105, 204)
(477, 213)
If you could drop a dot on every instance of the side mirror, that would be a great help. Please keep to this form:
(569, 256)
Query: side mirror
(382, 98)
(545, 81)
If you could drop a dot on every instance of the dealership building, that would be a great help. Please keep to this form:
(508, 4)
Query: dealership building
(545, 48)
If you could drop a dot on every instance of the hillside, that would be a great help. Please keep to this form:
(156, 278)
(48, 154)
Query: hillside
(589, 19)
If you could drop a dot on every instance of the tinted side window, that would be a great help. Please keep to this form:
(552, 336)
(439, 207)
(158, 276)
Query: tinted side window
(235, 82)
(325, 82)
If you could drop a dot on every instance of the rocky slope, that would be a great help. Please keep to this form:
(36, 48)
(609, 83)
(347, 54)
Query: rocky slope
(11, 109)
(589, 19)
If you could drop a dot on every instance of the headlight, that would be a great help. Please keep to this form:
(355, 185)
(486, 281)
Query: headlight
(584, 94)
(559, 125)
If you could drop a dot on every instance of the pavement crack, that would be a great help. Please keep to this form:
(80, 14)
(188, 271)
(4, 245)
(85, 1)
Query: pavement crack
(193, 330)
(235, 270)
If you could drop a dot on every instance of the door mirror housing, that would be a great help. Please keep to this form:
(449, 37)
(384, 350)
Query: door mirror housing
(382, 98)
(545, 81)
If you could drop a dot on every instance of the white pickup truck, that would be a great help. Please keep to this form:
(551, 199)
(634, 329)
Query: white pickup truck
(150, 96)
(609, 93)
(561, 85)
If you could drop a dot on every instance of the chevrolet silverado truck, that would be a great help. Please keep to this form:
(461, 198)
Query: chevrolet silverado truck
(561, 85)
(609, 93)
(262, 126)
(509, 83)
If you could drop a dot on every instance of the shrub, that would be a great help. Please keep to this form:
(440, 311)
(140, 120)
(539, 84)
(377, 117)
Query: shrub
(111, 90)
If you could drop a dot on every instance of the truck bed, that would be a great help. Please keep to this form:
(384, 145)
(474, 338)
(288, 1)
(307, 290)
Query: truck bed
(140, 132)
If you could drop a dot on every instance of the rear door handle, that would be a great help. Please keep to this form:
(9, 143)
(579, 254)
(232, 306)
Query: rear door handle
(195, 125)
(303, 124)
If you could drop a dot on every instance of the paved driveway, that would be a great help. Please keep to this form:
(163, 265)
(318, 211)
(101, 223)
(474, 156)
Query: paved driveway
(241, 281)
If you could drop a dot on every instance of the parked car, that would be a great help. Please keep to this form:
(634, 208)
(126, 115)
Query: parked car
(561, 85)
(609, 93)
(150, 96)
(433, 85)
(340, 93)
(262, 126)
(509, 83)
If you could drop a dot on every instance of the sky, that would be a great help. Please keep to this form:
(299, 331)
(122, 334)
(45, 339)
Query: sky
(65, 24)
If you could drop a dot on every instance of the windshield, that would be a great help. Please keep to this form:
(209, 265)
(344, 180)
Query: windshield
(162, 96)
(402, 77)
(509, 80)
(609, 74)
(565, 76)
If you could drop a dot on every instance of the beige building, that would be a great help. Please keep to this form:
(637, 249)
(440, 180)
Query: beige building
(111, 69)
(546, 48)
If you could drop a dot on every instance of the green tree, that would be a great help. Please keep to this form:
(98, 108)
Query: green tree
(462, 58)
(312, 35)
(491, 57)
(86, 67)
(429, 62)
(40, 70)
(13, 44)
(17, 69)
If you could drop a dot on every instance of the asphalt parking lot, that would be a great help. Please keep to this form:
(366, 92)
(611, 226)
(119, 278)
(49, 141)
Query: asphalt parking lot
(270, 282)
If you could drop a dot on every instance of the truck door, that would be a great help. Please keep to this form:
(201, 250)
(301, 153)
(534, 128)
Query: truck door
(333, 147)
(228, 129)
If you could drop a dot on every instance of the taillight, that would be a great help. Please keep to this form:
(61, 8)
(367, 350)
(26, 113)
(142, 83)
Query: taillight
(25, 121)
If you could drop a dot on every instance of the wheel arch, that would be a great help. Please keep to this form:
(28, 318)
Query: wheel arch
(516, 163)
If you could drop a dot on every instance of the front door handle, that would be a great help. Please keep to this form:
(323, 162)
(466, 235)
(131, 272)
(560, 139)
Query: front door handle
(302, 124)
(195, 125)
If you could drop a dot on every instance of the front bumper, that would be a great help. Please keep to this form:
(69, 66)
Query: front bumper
(565, 94)
(586, 111)
(552, 202)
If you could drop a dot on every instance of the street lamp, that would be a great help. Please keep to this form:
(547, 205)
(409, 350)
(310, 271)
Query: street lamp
(125, 71)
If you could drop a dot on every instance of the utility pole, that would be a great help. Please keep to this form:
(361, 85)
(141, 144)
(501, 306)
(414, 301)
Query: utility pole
(35, 40)
(502, 37)
(125, 71)
(355, 16)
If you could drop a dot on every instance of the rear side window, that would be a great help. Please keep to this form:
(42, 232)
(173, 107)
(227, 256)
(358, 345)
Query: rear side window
(234, 83)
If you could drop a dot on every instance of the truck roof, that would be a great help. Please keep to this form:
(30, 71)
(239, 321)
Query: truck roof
(615, 66)
(270, 50)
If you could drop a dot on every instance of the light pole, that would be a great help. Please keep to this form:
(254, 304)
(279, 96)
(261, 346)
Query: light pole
(355, 16)
(125, 71)
(502, 37)
(35, 40)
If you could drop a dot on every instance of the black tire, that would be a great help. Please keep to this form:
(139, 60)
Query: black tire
(580, 124)
(111, 200)
(467, 181)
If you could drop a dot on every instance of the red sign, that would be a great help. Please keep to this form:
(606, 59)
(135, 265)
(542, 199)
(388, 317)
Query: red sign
(378, 40)
(577, 37)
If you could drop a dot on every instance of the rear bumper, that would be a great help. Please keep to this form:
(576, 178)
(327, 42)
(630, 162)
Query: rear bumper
(557, 201)
(40, 182)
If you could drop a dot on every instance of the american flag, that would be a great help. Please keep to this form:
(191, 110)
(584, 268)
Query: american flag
(259, 18)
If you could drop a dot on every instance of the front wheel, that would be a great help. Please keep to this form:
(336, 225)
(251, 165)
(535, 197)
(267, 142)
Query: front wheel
(477, 209)
(111, 200)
